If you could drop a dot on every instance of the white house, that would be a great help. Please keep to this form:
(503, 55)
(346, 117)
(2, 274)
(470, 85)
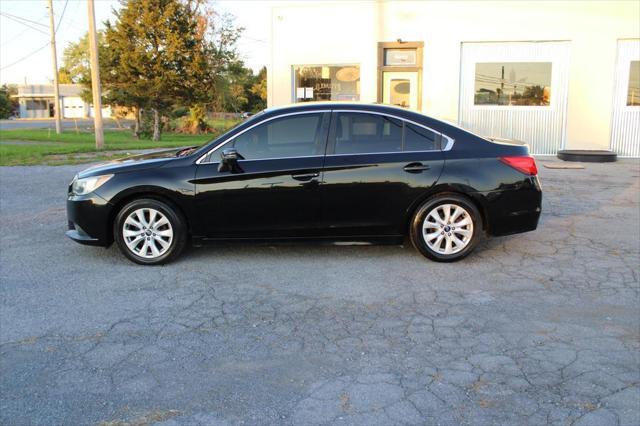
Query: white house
(37, 101)
(558, 75)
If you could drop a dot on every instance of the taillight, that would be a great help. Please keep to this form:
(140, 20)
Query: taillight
(525, 164)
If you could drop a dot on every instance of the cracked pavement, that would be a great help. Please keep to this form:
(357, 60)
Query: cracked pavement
(537, 328)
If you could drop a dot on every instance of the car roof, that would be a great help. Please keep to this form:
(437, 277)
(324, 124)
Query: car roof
(336, 105)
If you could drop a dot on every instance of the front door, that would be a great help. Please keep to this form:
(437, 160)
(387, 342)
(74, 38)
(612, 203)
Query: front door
(376, 168)
(275, 191)
(400, 88)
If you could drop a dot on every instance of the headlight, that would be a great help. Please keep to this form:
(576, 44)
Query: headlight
(86, 185)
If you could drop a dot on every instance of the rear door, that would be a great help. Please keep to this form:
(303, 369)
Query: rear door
(376, 167)
(276, 191)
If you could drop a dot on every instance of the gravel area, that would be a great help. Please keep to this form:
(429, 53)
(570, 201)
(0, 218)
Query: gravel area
(538, 328)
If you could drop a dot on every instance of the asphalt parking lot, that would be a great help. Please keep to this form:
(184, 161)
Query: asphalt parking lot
(538, 328)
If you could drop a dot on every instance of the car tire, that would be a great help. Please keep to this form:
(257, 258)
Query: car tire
(439, 235)
(150, 232)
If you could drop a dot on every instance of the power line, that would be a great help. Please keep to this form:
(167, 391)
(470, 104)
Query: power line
(9, 15)
(25, 57)
(14, 37)
(40, 48)
(23, 23)
(61, 16)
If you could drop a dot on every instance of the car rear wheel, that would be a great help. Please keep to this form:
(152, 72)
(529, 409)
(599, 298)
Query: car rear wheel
(150, 232)
(446, 228)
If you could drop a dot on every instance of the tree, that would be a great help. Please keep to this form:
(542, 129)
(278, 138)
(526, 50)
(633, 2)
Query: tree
(75, 64)
(259, 90)
(8, 105)
(157, 54)
(64, 77)
(161, 54)
(534, 95)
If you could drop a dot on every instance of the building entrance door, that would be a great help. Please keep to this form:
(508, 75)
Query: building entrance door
(400, 88)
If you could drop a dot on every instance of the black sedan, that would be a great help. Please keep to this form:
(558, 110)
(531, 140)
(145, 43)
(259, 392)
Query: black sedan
(332, 171)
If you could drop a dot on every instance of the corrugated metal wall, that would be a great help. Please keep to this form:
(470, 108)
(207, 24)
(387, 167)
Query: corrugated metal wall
(543, 128)
(625, 126)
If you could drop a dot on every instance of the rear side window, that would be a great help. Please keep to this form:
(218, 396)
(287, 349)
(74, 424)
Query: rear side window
(294, 136)
(357, 133)
(363, 133)
(418, 138)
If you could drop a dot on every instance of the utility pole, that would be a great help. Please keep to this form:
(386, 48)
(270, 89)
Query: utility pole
(54, 59)
(95, 77)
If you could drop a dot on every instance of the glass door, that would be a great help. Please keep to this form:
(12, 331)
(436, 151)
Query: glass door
(400, 88)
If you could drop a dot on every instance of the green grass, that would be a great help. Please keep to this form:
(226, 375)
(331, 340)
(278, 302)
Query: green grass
(44, 146)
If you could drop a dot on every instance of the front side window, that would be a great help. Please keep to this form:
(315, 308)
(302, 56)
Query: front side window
(357, 133)
(327, 83)
(513, 83)
(293, 136)
(633, 89)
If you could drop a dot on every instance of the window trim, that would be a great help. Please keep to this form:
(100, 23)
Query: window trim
(497, 107)
(448, 146)
(625, 105)
(294, 98)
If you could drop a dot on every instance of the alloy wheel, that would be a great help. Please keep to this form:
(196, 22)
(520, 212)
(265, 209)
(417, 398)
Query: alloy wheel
(147, 233)
(447, 229)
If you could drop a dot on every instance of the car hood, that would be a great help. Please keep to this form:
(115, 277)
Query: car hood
(134, 162)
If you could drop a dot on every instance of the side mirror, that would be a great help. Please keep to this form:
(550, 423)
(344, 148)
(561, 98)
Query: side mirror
(229, 161)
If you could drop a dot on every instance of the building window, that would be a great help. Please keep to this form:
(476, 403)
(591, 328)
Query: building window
(400, 57)
(633, 90)
(36, 105)
(513, 83)
(327, 83)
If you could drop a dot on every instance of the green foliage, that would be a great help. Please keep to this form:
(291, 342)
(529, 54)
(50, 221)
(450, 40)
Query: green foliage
(76, 64)
(47, 147)
(8, 105)
(169, 57)
(162, 53)
(197, 120)
(259, 90)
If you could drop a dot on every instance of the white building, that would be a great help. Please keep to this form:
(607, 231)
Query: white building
(558, 75)
(37, 101)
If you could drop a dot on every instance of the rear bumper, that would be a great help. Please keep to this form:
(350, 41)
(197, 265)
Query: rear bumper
(513, 211)
(88, 220)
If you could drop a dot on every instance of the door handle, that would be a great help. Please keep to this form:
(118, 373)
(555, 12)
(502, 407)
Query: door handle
(416, 167)
(305, 176)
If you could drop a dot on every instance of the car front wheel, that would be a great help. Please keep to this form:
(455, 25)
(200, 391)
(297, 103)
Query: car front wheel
(150, 232)
(446, 228)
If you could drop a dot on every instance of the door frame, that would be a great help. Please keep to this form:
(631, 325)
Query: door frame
(417, 68)
(624, 118)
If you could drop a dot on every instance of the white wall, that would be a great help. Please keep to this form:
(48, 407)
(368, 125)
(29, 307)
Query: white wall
(348, 32)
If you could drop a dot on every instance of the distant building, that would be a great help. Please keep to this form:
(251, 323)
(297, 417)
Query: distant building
(557, 75)
(37, 101)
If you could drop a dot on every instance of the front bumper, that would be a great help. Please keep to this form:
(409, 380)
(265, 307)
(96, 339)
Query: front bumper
(89, 220)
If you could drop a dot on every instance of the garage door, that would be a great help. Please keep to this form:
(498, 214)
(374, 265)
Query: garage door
(516, 90)
(625, 126)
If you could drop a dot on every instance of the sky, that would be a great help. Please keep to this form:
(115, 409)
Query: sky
(24, 33)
